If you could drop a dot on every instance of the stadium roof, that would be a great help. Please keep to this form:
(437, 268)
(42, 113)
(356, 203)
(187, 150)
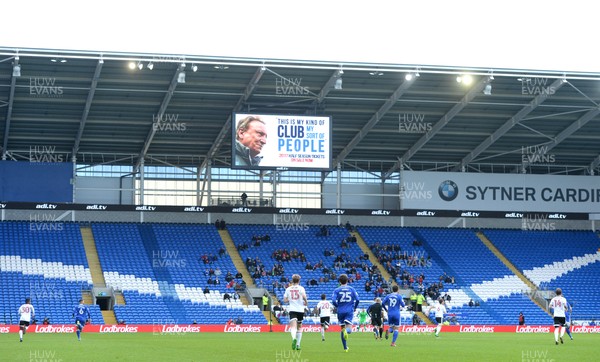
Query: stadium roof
(94, 105)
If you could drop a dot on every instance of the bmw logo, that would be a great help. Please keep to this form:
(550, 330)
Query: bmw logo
(448, 190)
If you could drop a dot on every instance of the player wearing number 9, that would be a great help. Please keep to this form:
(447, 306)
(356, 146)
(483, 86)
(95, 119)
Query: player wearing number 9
(345, 299)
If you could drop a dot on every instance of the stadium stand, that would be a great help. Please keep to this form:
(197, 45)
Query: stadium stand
(292, 247)
(163, 269)
(552, 259)
(44, 261)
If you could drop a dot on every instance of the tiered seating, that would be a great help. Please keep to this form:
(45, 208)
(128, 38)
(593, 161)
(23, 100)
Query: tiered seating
(478, 270)
(304, 240)
(181, 249)
(556, 259)
(45, 261)
(160, 271)
(580, 287)
(509, 307)
(463, 251)
(403, 238)
(466, 315)
(530, 249)
(121, 250)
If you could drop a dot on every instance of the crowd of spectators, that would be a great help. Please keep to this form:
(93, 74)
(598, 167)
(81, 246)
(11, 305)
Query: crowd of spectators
(220, 224)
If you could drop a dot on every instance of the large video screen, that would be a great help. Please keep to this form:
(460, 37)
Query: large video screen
(270, 141)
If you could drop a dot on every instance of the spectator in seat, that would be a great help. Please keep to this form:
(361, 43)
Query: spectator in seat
(217, 224)
(227, 297)
(416, 320)
(222, 225)
(206, 290)
(471, 303)
(348, 226)
(239, 320)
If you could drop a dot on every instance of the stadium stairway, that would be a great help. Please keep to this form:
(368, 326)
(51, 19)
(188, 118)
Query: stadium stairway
(119, 298)
(91, 253)
(510, 266)
(109, 317)
(87, 297)
(372, 258)
(464, 287)
(384, 273)
(237, 260)
(240, 266)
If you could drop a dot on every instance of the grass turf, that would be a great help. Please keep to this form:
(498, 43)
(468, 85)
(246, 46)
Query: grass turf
(276, 347)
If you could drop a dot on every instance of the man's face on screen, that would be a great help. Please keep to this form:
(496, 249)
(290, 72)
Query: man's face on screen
(255, 137)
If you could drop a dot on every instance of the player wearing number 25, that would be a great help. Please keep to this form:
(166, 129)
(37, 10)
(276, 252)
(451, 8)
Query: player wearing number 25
(345, 299)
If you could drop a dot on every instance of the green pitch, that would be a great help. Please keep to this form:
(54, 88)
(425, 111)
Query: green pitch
(276, 347)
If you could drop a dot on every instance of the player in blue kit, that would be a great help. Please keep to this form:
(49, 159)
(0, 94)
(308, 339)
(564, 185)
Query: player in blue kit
(81, 313)
(568, 320)
(392, 303)
(345, 299)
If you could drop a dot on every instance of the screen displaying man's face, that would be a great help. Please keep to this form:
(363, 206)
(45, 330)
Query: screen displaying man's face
(255, 137)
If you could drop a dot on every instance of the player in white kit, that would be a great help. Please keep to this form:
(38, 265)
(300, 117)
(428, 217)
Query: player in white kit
(559, 306)
(295, 295)
(440, 310)
(324, 309)
(26, 316)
